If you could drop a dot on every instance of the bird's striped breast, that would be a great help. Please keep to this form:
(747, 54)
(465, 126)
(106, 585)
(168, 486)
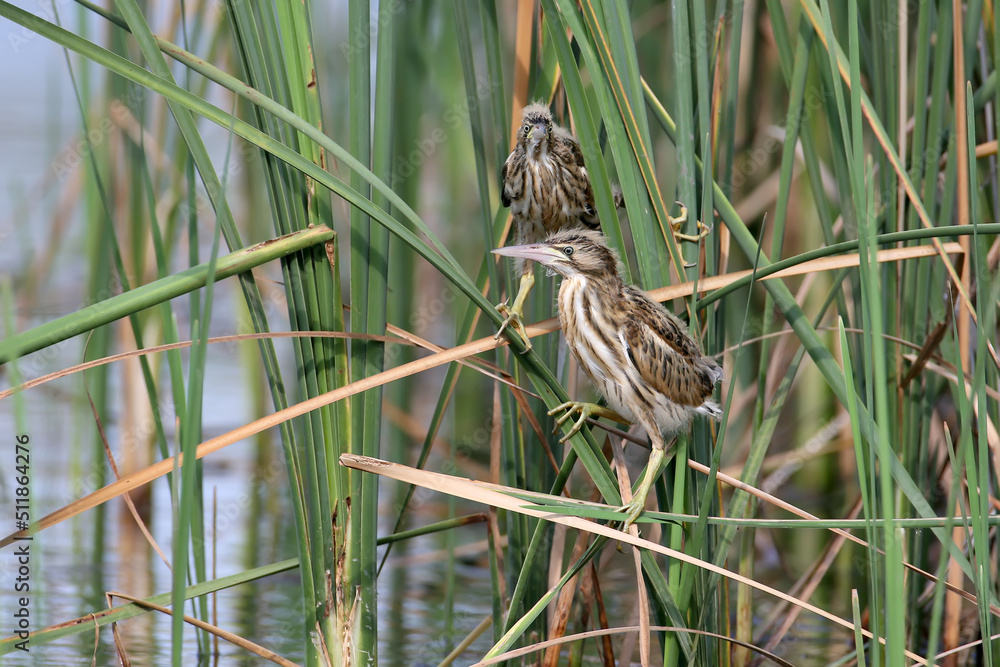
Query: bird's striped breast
(592, 336)
(546, 196)
(593, 333)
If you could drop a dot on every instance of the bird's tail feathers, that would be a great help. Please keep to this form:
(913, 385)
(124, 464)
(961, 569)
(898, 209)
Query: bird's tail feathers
(716, 373)
(709, 409)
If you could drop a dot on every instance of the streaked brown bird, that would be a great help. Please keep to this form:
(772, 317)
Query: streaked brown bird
(545, 184)
(637, 353)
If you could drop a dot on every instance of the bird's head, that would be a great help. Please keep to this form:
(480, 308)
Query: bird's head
(535, 134)
(571, 253)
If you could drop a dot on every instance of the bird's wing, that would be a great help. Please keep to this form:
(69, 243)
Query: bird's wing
(573, 155)
(504, 196)
(572, 144)
(574, 148)
(667, 358)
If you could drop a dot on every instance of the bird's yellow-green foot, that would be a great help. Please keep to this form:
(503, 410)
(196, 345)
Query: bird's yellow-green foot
(678, 222)
(586, 411)
(635, 507)
(514, 313)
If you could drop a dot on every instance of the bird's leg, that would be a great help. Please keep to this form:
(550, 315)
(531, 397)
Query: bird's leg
(586, 411)
(515, 313)
(676, 224)
(638, 503)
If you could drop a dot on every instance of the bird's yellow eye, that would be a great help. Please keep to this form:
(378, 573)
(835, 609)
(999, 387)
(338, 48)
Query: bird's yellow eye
(527, 129)
(568, 251)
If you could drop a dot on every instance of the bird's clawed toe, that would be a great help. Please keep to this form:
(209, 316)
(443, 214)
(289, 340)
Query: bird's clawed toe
(676, 224)
(513, 321)
(632, 511)
(569, 408)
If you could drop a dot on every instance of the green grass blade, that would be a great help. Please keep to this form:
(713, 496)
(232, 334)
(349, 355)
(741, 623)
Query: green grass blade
(153, 293)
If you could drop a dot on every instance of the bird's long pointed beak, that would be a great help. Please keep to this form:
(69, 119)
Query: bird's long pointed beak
(536, 134)
(536, 251)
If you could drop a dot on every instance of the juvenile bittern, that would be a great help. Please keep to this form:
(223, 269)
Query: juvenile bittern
(545, 184)
(637, 354)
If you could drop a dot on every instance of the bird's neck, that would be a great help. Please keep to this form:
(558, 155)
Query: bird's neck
(606, 285)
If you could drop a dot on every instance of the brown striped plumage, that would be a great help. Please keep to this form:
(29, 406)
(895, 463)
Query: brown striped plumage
(637, 353)
(544, 180)
(545, 184)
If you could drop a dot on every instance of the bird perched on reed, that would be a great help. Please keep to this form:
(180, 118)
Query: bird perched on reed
(545, 184)
(637, 354)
